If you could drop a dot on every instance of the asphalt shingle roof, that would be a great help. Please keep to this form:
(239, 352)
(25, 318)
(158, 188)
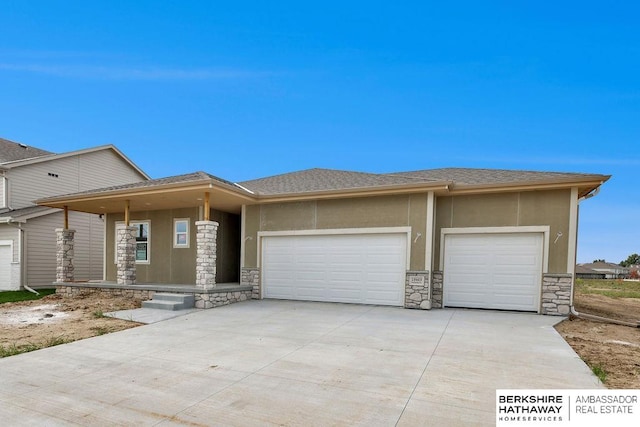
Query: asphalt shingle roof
(17, 213)
(311, 180)
(318, 180)
(11, 151)
(325, 180)
(467, 176)
(189, 177)
(581, 269)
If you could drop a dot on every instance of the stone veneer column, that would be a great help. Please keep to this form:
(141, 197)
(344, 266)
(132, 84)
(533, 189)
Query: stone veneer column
(126, 255)
(250, 276)
(436, 292)
(556, 294)
(416, 290)
(64, 254)
(206, 238)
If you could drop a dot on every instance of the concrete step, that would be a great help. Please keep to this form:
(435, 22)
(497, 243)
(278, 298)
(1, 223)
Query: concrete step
(165, 296)
(173, 302)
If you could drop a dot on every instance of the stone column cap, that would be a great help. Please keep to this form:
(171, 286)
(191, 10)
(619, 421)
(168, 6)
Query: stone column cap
(60, 230)
(207, 223)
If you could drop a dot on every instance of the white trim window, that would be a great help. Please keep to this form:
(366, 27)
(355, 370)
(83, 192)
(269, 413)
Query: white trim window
(143, 241)
(181, 232)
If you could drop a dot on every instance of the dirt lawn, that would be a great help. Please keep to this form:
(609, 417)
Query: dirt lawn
(56, 318)
(613, 348)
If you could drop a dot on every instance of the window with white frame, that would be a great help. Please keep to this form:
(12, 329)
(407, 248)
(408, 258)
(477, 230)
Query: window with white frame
(142, 235)
(181, 233)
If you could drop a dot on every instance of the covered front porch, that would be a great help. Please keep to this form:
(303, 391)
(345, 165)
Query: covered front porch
(173, 235)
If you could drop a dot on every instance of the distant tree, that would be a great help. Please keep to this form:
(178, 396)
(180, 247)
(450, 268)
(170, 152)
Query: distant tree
(633, 259)
(599, 260)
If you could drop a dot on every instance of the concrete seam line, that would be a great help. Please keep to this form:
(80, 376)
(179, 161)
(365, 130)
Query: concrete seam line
(425, 367)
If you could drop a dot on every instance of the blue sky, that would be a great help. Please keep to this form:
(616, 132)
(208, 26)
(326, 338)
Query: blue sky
(249, 89)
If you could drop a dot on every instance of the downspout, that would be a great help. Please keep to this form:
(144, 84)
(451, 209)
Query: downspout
(591, 316)
(603, 319)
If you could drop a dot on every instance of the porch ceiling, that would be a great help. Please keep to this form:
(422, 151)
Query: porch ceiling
(146, 199)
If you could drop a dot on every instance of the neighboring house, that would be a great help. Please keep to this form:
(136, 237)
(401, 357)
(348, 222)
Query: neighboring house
(583, 272)
(27, 237)
(478, 238)
(609, 269)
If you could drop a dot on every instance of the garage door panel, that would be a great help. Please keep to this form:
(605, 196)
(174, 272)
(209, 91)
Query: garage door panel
(499, 271)
(367, 269)
(507, 302)
(526, 280)
(468, 259)
(469, 298)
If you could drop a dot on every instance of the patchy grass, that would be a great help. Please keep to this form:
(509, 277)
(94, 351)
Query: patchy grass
(12, 350)
(599, 372)
(98, 314)
(100, 330)
(15, 296)
(609, 288)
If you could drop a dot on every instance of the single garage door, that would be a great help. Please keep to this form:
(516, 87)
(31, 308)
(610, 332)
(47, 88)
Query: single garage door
(496, 271)
(351, 268)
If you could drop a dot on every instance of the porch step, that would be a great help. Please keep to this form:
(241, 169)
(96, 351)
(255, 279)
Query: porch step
(173, 302)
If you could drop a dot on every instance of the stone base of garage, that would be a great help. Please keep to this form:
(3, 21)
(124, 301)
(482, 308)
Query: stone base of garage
(251, 277)
(556, 290)
(556, 294)
(416, 290)
(222, 294)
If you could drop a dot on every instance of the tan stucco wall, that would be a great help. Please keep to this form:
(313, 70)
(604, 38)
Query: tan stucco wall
(544, 208)
(387, 211)
(178, 265)
(251, 228)
(510, 209)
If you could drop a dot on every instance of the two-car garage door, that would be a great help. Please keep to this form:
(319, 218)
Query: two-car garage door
(496, 271)
(351, 268)
(484, 270)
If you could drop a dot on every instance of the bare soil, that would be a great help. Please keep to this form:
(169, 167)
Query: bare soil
(56, 318)
(613, 348)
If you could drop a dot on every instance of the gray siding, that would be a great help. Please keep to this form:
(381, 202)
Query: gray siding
(82, 172)
(40, 247)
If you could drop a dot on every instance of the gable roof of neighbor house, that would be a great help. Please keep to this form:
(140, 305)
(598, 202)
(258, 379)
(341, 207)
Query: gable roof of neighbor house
(11, 151)
(604, 266)
(581, 269)
(46, 156)
(188, 190)
(14, 155)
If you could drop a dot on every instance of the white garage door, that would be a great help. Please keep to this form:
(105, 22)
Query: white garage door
(5, 267)
(496, 271)
(362, 268)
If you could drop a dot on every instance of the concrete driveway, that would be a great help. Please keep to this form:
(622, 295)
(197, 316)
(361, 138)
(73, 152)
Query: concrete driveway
(293, 363)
